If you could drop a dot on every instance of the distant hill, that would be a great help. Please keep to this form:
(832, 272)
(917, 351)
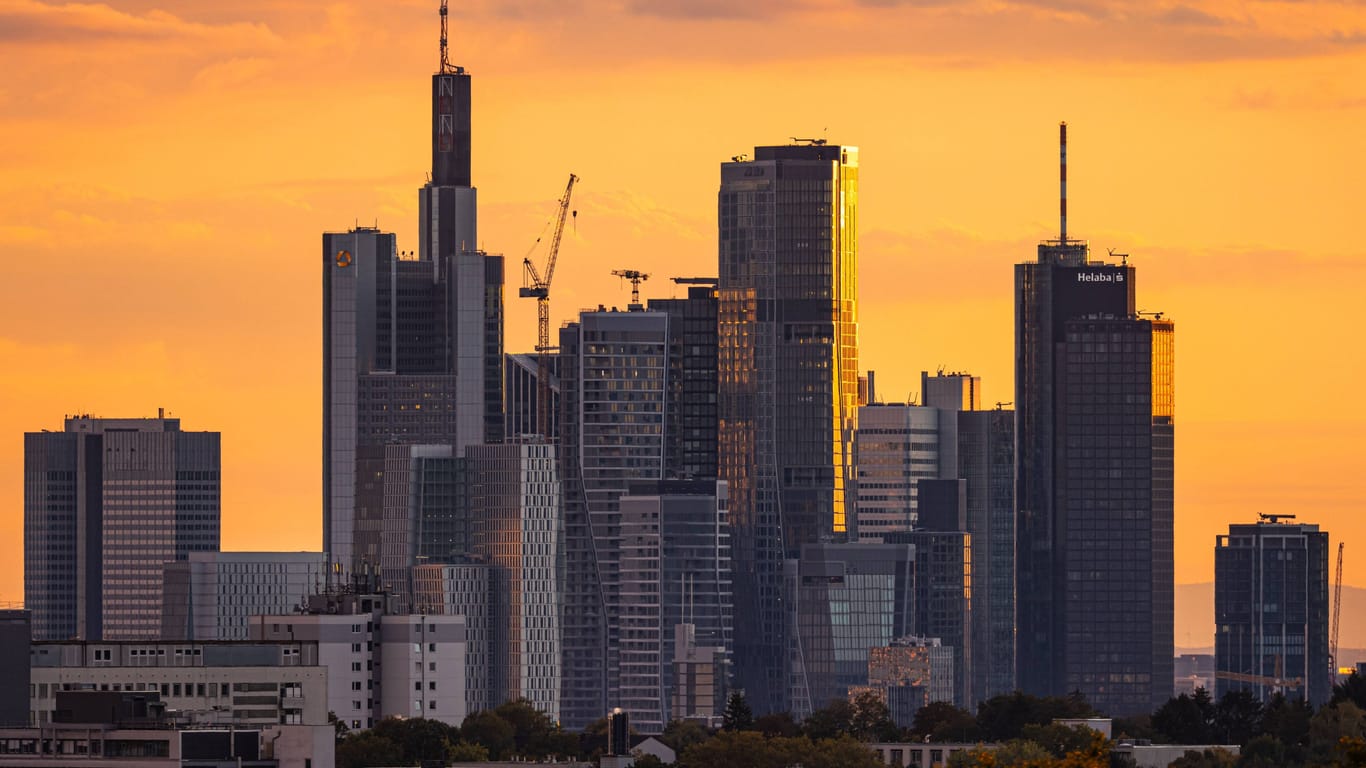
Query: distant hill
(1195, 619)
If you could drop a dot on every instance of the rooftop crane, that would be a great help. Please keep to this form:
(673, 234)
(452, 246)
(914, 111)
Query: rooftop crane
(636, 277)
(1337, 613)
(538, 287)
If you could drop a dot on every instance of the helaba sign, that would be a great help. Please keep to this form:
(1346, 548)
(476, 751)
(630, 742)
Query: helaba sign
(1100, 277)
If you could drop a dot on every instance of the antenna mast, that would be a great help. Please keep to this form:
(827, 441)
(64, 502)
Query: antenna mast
(1062, 158)
(446, 67)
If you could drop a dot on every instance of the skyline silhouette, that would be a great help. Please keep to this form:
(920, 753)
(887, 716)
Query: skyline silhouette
(173, 170)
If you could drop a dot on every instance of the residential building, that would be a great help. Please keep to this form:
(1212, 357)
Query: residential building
(1094, 469)
(787, 372)
(211, 595)
(466, 589)
(613, 391)
(1271, 610)
(519, 532)
(690, 440)
(675, 570)
(106, 503)
(379, 663)
(208, 683)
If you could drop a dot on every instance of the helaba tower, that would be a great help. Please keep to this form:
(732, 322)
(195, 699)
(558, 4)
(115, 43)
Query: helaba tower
(412, 341)
(1094, 470)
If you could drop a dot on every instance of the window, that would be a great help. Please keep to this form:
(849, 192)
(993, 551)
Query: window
(431, 686)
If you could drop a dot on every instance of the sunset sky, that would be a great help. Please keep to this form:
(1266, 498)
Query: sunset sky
(167, 168)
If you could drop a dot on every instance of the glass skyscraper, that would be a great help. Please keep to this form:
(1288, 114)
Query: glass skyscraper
(1271, 610)
(1094, 421)
(788, 387)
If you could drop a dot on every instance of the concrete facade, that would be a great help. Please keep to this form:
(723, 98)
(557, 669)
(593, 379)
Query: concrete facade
(106, 503)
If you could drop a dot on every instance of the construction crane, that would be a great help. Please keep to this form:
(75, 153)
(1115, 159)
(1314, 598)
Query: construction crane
(1281, 683)
(1337, 614)
(536, 286)
(696, 280)
(636, 277)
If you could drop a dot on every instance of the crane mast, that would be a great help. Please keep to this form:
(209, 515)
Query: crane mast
(1337, 613)
(538, 287)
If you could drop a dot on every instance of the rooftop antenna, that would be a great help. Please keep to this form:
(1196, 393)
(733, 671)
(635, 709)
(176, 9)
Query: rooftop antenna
(1062, 162)
(446, 67)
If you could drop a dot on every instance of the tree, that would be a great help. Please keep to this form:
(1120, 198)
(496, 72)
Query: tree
(942, 721)
(1004, 717)
(1237, 718)
(531, 728)
(681, 734)
(738, 716)
(1186, 719)
(647, 761)
(465, 752)
(1287, 721)
(489, 731)
(1059, 740)
(1331, 725)
(593, 740)
(1265, 751)
(338, 725)
(778, 724)
(1133, 727)
(1210, 758)
(871, 720)
(1352, 689)
(830, 721)
(418, 738)
(750, 749)
(366, 749)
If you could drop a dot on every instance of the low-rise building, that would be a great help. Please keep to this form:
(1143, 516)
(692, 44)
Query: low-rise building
(228, 683)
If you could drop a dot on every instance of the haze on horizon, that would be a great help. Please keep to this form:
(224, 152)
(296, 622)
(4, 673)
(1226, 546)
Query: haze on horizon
(170, 166)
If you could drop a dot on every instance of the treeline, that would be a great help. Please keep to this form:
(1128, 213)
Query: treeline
(1283, 733)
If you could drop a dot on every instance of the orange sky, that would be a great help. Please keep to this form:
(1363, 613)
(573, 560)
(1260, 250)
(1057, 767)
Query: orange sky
(166, 168)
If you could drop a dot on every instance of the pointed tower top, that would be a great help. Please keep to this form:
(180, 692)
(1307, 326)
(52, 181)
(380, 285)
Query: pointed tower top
(446, 67)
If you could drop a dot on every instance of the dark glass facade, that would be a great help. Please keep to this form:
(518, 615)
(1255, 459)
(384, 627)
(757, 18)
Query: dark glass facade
(1094, 399)
(788, 387)
(690, 442)
(521, 372)
(986, 461)
(849, 599)
(1271, 610)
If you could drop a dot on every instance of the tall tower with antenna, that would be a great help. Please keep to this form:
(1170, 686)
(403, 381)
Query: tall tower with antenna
(1092, 521)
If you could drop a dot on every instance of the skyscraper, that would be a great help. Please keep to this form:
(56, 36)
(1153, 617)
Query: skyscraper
(107, 502)
(613, 391)
(1094, 457)
(675, 572)
(1271, 609)
(690, 440)
(412, 342)
(788, 385)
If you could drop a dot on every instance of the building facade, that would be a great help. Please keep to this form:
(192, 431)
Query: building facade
(16, 632)
(675, 571)
(1271, 611)
(613, 388)
(466, 589)
(787, 374)
(211, 595)
(1094, 471)
(106, 503)
(897, 445)
(223, 683)
(518, 531)
(690, 440)
(521, 395)
(850, 598)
